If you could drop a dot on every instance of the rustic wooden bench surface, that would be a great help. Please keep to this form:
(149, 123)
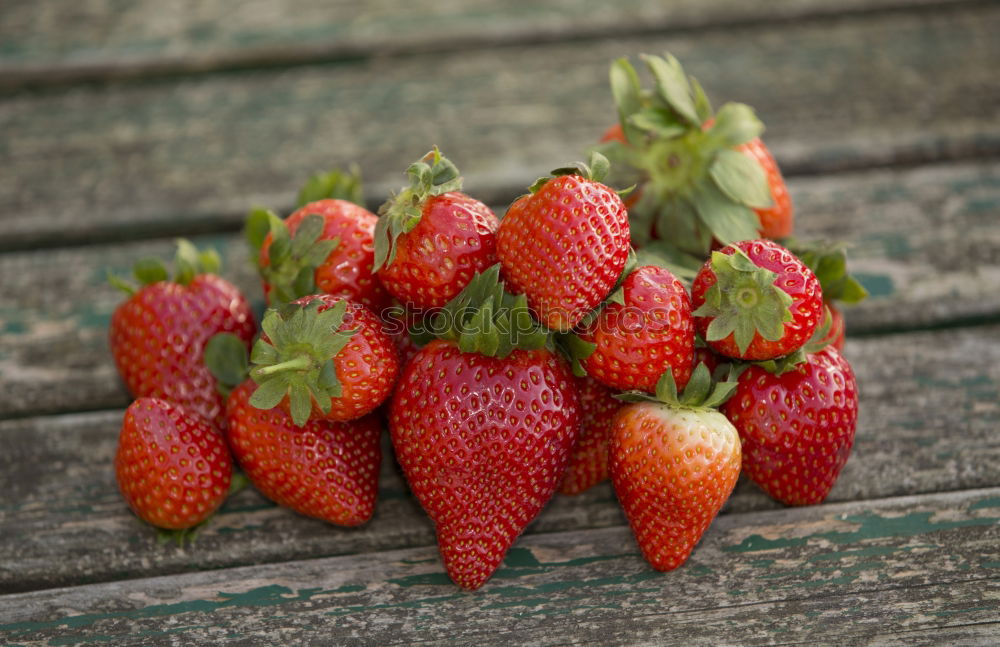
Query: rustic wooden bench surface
(123, 125)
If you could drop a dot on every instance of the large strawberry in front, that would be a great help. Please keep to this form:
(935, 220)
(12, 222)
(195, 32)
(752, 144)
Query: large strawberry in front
(482, 425)
(158, 335)
(565, 244)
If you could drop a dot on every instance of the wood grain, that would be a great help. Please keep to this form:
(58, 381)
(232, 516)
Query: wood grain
(902, 224)
(929, 409)
(191, 154)
(872, 572)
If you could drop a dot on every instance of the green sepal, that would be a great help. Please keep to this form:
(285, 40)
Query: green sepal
(596, 170)
(119, 283)
(484, 318)
(684, 266)
(673, 87)
(627, 93)
(575, 350)
(828, 261)
(227, 360)
(728, 221)
(292, 260)
(333, 184)
(744, 301)
(148, 271)
(189, 262)
(781, 365)
(293, 358)
(735, 124)
(702, 390)
(431, 175)
(258, 225)
(741, 179)
(657, 122)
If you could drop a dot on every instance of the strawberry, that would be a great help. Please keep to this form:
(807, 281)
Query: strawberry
(565, 244)
(327, 470)
(326, 245)
(482, 422)
(701, 176)
(673, 463)
(158, 335)
(588, 463)
(431, 239)
(172, 465)
(641, 333)
(755, 300)
(323, 356)
(797, 426)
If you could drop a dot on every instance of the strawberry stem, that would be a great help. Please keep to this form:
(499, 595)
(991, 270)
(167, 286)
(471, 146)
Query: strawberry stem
(301, 363)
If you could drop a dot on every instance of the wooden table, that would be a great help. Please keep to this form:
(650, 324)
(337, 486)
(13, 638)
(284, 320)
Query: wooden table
(123, 125)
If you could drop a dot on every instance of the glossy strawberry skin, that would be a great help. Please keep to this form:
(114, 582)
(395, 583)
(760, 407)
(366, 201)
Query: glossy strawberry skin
(367, 367)
(564, 247)
(793, 276)
(838, 330)
(588, 463)
(483, 443)
(158, 335)
(347, 271)
(651, 332)
(672, 470)
(776, 221)
(455, 239)
(797, 429)
(172, 465)
(326, 470)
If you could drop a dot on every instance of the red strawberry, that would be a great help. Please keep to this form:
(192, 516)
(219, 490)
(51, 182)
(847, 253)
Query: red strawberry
(431, 238)
(835, 337)
(565, 244)
(323, 356)
(701, 176)
(172, 465)
(332, 252)
(755, 300)
(673, 465)
(588, 464)
(797, 428)
(158, 335)
(327, 470)
(483, 422)
(647, 331)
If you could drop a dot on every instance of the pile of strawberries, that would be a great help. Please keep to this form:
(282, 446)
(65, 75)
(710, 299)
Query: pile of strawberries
(667, 340)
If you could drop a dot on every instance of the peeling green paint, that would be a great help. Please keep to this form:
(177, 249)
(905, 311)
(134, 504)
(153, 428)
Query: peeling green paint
(992, 502)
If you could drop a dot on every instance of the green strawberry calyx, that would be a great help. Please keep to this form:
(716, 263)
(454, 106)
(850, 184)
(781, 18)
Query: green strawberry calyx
(333, 184)
(694, 184)
(291, 265)
(189, 262)
(226, 358)
(828, 261)
(432, 175)
(744, 301)
(597, 170)
(781, 365)
(294, 358)
(484, 318)
(701, 392)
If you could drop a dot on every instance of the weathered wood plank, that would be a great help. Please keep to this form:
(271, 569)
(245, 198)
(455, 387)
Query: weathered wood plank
(102, 163)
(899, 571)
(56, 303)
(929, 411)
(43, 42)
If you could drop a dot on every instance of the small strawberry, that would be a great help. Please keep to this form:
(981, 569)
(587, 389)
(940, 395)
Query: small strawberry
(588, 463)
(158, 335)
(645, 331)
(755, 300)
(483, 421)
(326, 245)
(323, 356)
(172, 465)
(700, 176)
(431, 239)
(565, 244)
(327, 470)
(674, 463)
(797, 427)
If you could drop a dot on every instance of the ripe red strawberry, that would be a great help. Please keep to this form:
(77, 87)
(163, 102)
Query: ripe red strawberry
(565, 244)
(835, 337)
(644, 333)
(797, 428)
(158, 335)
(700, 176)
(482, 423)
(588, 463)
(755, 300)
(432, 239)
(323, 356)
(673, 465)
(172, 465)
(327, 470)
